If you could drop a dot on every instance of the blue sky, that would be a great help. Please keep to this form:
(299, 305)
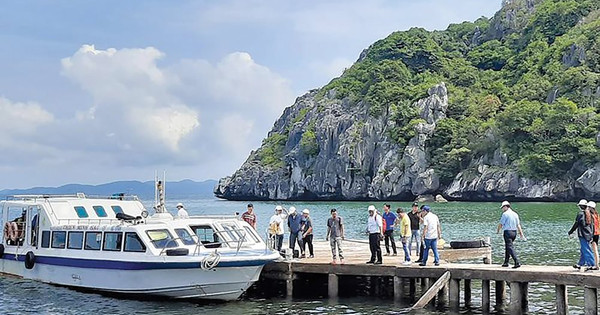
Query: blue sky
(99, 91)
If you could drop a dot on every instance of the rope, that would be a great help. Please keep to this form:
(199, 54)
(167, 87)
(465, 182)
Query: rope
(210, 261)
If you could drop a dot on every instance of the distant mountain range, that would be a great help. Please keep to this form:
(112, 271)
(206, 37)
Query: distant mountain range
(144, 190)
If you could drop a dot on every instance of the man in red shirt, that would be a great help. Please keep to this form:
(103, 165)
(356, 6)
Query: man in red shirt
(249, 216)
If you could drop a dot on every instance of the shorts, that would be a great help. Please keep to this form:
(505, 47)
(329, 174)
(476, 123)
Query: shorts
(595, 239)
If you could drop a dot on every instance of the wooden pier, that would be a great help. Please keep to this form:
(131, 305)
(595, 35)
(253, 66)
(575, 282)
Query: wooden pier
(400, 281)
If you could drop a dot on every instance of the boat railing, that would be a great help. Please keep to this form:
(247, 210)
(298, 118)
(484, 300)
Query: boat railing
(214, 217)
(237, 244)
(107, 221)
(77, 195)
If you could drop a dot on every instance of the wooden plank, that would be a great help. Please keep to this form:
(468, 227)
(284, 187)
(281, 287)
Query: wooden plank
(431, 293)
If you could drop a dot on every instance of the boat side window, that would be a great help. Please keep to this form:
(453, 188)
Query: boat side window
(207, 235)
(185, 237)
(93, 240)
(45, 239)
(116, 209)
(15, 225)
(81, 212)
(133, 243)
(112, 241)
(99, 211)
(161, 238)
(233, 231)
(75, 240)
(251, 234)
(59, 239)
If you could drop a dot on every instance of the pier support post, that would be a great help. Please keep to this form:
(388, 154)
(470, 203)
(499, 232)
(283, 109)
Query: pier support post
(454, 292)
(397, 288)
(562, 304)
(488, 258)
(412, 287)
(518, 297)
(467, 292)
(332, 286)
(289, 287)
(500, 292)
(485, 296)
(591, 300)
(424, 284)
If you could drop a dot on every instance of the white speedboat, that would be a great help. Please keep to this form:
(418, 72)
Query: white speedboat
(111, 244)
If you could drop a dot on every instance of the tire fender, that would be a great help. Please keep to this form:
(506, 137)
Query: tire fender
(29, 260)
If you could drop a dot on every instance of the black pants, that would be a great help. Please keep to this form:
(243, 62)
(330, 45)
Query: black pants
(421, 250)
(509, 248)
(296, 237)
(375, 247)
(307, 240)
(389, 236)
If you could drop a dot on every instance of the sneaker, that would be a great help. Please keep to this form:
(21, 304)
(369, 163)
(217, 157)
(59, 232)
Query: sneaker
(386, 254)
(419, 261)
(370, 262)
(311, 256)
(406, 263)
(516, 266)
(395, 254)
(378, 262)
(577, 266)
(504, 265)
(302, 256)
(437, 264)
(591, 268)
(421, 264)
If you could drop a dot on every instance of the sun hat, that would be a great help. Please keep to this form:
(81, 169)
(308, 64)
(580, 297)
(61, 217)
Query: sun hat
(505, 203)
(292, 209)
(591, 204)
(582, 202)
(306, 211)
(279, 208)
(179, 205)
(372, 208)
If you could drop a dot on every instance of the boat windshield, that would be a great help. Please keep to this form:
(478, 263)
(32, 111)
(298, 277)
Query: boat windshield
(161, 238)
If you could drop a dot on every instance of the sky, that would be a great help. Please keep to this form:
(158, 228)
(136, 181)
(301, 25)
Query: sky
(99, 91)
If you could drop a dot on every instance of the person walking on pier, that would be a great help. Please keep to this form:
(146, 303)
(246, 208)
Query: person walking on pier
(510, 225)
(375, 231)
(294, 221)
(592, 208)
(307, 233)
(335, 235)
(249, 216)
(276, 229)
(415, 220)
(432, 231)
(389, 218)
(405, 233)
(585, 231)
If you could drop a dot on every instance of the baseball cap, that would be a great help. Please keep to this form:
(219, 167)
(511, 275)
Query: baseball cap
(582, 202)
(279, 208)
(250, 205)
(591, 204)
(415, 204)
(306, 211)
(372, 208)
(426, 208)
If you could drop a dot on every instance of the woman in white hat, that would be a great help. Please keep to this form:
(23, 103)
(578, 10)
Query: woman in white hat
(181, 212)
(585, 231)
(307, 233)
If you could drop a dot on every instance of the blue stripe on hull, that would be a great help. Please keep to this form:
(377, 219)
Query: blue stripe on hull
(129, 265)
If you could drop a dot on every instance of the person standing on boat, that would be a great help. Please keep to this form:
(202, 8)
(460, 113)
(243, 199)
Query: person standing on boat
(415, 220)
(276, 229)
(510, 225)
(307, 233)
(585, 231)
(432, 232)
(375, 231)
(249, 216)
(389, 218)
(335, 235)
(596, 218)
(294, 221)
(403, 224)
(181, 212)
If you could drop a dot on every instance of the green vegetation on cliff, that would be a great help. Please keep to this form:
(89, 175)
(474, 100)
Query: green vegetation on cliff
(533, 91)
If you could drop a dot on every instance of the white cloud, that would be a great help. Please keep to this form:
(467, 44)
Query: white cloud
(22, 118)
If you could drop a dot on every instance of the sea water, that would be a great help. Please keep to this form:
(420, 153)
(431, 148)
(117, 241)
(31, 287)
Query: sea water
(545, 225)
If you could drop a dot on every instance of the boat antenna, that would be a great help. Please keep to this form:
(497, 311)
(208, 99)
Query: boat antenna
(160, 195)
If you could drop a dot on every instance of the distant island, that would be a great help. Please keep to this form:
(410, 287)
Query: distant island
(144, 190)
(506, 107)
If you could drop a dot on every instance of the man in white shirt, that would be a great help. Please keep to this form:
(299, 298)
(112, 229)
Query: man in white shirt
(182, 213)
(375, 231)
(432, 231)
(276, 229)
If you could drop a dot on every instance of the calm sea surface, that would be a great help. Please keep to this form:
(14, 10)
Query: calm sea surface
(544, 224)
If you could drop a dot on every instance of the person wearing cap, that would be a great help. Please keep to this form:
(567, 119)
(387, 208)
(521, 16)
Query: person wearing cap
(375, 231)
(585, 231)
(306, 230)
(294, 221)
(335, 235)
(181, 212)
(591, 206)
(389, 218)
(249, 216)
(403, 224)
(510, 225)
(415, 220)
(432, 231)
(276, 229)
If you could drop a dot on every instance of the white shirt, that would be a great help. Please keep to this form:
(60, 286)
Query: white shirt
(277, 218)
(374, 224)
(432, 222)
(182, 213)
